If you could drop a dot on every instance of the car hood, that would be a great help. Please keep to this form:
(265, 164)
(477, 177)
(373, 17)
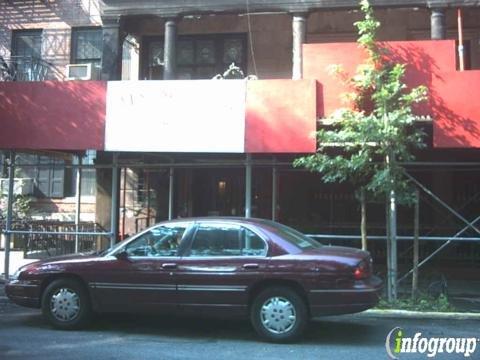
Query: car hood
(62, 258)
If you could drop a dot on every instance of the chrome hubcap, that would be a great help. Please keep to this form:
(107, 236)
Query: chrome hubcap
(278, 315)
(65, 304)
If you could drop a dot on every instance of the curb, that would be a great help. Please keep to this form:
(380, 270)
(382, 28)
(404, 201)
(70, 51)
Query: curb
(406, 314)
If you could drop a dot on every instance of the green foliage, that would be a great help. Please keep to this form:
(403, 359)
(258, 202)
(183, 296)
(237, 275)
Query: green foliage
(423, 303)
(21, 207)
(376, 130)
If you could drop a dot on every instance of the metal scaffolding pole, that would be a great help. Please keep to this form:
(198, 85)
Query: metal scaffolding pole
(393, 271)
(441, 202)
(449, 240)
(8, 225)
(115, 194)
(248, 186)
(170, 193)
(274, 192)
(78, 202)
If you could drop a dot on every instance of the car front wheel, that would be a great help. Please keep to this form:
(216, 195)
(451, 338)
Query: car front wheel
(279, 314)
(66, 305)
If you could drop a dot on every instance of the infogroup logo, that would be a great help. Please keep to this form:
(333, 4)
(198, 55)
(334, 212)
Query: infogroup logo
(397, 343)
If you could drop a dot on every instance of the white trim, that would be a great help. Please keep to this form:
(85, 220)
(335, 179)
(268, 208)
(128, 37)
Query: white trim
(129, 286)
(211, 288)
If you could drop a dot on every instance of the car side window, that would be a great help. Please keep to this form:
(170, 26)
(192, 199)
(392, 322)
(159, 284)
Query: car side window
(252, 244)
(226, 240)
(157, 242)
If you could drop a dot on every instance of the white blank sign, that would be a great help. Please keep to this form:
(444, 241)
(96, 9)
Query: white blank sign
(176, 116)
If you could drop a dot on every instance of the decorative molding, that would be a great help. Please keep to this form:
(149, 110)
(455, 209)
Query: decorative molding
(189, 7)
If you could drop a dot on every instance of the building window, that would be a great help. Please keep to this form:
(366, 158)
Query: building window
(25, 63)
(47, 172)
(198, 56)
(87, 48)
(27, 43)
(89, 182)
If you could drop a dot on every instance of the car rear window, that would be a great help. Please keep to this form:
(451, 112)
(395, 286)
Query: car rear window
(293, 236)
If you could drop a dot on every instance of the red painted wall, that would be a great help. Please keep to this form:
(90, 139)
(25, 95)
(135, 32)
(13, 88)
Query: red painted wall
(452, 94)
(280, 116)
(456, 110)
(52, 115)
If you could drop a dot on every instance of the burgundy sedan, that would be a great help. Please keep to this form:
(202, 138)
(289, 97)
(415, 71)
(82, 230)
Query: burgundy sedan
(254, 268)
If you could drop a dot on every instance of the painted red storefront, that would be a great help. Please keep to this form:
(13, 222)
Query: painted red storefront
(274, 116)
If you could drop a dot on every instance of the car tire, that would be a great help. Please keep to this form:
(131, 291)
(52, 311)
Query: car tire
(66, 304)
(279, 314)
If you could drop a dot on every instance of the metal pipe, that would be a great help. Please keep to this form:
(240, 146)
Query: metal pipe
(78, 202)
(169, 53)
(453, 238)
(28, 232)
(170, 193)
(416, 236)
(236, 163)
(8, 225)
(424, 188)
(314, 236)
(383, 237)
(114, 201)
(389, 252)
(274, 192)
(461, 49)
(393, 244)
(298, 34)
(147, 189)
(438, 29)
(248, 186)
(124, 203)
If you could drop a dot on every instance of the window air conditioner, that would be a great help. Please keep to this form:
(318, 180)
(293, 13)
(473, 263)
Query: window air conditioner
(79, 71)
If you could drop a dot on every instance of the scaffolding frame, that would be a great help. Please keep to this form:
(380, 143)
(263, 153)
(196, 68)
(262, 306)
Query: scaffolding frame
(248, 163)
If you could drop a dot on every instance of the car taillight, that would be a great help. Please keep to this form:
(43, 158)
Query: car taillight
(363, 270)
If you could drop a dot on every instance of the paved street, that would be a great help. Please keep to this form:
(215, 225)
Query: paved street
(25, 335)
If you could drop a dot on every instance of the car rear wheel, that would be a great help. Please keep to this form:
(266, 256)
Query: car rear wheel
(66, 304)
(279, 314)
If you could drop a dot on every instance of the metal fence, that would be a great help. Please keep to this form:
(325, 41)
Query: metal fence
(22, 68)
(39, 239)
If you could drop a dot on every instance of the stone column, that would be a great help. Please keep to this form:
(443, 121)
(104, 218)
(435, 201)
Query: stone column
(112, 49)
(299, 22)
(169, 53)
(438, 25)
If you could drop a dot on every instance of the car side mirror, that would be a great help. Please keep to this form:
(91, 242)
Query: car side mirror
(122, 255)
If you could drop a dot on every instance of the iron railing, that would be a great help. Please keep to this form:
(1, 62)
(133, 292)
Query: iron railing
(39, 239)
(23, 68)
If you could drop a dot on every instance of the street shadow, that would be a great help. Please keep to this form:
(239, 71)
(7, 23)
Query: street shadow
(331, 330)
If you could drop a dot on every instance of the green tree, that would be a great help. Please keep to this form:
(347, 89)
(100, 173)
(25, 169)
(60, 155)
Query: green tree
(367, 140)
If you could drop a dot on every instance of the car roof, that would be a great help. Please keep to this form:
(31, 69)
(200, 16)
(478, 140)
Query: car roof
(236, 219)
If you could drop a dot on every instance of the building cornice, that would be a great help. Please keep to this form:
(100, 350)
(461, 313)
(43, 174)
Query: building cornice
(169, 8)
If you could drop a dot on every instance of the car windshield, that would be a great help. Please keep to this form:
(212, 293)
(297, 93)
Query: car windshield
(113, 248)
(293, 236)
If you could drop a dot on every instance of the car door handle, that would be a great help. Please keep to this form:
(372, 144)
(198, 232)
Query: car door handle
(250, 266)
(169, 266)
